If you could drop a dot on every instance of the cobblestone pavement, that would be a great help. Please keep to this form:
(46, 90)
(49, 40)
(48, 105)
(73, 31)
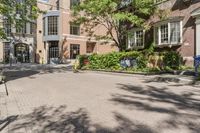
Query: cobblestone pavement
(64, 102)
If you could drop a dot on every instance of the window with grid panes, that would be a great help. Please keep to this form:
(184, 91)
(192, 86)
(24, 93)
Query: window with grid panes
(7, 27)
(74, 2)
(168, 33)
(74, 29)
(6, 51)
(136, 38)
(139, 36)
(52, 25)
(164, 33)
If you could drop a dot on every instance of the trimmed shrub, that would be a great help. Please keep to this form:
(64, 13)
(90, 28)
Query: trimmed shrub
(172, 60)
(81, 60)
(145, 61)
(112, 60)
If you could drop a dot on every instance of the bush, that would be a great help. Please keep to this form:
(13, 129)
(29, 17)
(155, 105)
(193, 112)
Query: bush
(112, 60)
(172, 60)
(105, 61)
(81, 60)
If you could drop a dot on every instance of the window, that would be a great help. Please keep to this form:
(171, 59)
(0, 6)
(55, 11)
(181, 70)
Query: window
(58, 4)
(21, 29)
(164, 33)
(32, 28)
(44, 28)
(74, 2)
(6, 52)
(18, 9)
(175, 32)
(74, 29)
(53, 49)
(74, 50)
(7, 27)
(168, 33)
(52, 25)
(136, 39)
(139, 38)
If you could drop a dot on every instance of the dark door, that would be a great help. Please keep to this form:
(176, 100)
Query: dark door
(74, 50)
(53, 52)
(22, 53)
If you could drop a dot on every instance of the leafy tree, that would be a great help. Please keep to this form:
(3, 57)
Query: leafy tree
(17, 13)
(115, 15)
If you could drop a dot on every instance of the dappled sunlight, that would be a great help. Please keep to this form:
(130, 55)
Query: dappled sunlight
(50, 119)
(183, 108)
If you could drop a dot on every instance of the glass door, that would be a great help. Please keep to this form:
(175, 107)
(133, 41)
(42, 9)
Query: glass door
(74, 50)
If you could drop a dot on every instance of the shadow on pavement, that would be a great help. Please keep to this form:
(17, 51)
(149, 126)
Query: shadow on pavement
(48, 119)
(14, 74)
(184, 109)
(4, 123)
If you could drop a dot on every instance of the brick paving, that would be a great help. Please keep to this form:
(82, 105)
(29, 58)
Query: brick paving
(62, 101)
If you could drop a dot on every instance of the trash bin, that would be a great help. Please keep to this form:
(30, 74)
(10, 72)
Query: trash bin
(196, 64)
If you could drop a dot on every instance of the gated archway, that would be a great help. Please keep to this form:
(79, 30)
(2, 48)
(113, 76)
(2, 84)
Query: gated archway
(22, 52)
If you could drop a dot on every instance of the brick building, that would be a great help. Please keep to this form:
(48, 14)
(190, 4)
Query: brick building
(55, 38)
(176, 26)
(59, 38)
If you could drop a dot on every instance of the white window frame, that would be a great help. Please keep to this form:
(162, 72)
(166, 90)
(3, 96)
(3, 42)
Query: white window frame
(169, 33)
(135, 39)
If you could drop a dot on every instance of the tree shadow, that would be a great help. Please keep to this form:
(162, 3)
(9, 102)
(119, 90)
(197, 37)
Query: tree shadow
(49, 119)
(5, 122)
(14, 74)
(162, 79)
(184, 108)
(126, 126)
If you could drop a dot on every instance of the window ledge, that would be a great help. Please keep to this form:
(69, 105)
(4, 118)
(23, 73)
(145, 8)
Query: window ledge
(168, 45)
(135, 47)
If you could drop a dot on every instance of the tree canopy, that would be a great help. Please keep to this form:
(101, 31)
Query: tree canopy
(17, 13)
(115, 15)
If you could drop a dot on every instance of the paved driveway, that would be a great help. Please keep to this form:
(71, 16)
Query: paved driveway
(65, 102)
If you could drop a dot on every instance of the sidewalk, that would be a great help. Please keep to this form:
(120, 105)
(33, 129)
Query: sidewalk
(30, 66)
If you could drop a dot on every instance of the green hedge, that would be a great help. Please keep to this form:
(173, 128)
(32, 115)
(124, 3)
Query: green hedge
(172, 60)
(111, 61)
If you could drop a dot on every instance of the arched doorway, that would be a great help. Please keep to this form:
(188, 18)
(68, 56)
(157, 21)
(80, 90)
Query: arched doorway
(22, 53)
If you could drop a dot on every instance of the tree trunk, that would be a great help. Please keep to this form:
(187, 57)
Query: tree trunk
(122, 43)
